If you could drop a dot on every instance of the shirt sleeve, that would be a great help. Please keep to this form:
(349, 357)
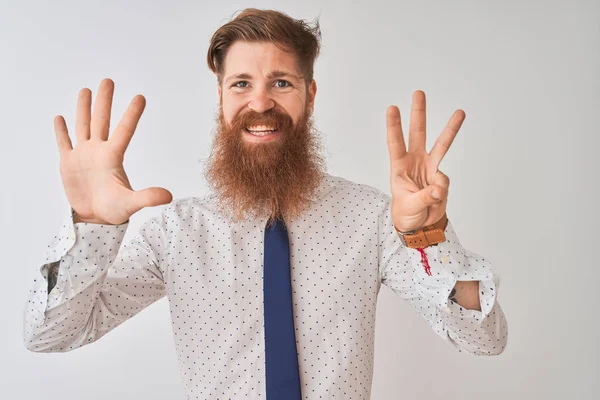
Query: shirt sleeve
(98, 286)
(477, 332)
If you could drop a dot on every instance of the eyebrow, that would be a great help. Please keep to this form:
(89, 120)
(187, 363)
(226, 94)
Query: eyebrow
(272, 75)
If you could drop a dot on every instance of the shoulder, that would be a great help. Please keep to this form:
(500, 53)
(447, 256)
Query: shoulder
(183, 208)
(342, 188)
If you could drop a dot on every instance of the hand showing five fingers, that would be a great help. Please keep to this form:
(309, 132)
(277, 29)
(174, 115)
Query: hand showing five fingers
(414, 174)
(95, 182)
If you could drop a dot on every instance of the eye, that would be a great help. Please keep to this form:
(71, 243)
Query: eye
(240, 84)
(282, 84)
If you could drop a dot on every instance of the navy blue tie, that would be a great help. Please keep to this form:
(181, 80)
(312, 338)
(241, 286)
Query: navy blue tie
(281, 358)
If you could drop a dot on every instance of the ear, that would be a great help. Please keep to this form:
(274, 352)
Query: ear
(219, 91)
(311, 94)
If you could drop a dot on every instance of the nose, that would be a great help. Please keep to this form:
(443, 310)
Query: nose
(261, 101)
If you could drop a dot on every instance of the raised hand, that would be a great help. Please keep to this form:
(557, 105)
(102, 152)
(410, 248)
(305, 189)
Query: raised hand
(95, 182)
(414, 176)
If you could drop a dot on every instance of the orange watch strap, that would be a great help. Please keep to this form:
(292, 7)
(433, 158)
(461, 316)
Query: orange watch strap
(426, 236)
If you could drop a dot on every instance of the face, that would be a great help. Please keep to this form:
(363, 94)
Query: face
(266, 155)
(260, 77)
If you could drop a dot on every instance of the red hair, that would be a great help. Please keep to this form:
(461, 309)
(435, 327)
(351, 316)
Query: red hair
(254, 25)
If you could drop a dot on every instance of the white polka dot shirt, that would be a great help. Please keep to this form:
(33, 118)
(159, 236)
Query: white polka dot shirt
(342, 249)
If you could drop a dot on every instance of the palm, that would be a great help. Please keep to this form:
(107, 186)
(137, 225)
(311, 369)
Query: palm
(96, 183)
(414, 172)
(93, 176)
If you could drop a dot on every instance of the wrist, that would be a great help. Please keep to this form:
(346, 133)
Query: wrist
(78, 219)
(426, 236)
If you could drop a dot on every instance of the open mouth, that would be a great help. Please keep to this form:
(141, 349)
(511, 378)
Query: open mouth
(261, 130)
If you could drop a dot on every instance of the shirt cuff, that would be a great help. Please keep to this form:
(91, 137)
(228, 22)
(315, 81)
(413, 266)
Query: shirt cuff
(450, 263)
(77, 244)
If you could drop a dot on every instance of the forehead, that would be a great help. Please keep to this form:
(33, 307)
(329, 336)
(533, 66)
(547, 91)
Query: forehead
(258, 59)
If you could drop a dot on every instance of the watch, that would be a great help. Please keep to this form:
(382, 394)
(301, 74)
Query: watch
(427, 236)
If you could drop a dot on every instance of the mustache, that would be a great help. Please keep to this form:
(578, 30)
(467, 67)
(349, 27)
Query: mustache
(272, 117)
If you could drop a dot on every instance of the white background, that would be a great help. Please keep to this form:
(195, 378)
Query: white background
(524, 171)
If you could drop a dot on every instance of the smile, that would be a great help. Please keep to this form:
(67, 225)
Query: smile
(261, 130)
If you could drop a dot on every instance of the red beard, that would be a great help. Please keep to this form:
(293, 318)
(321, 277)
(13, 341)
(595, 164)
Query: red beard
(272, 179)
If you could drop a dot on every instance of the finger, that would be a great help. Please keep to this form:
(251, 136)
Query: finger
(100, 123)
(82, 119)
(431, 195)
(439, 186)
(440, 179)
(395, 136)
(62, 135)
(417, 128)
(443, 143)
(150, 197)
(437, 210)
(126, 127)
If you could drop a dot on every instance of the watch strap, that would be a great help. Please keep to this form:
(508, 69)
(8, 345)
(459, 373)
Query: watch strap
(426, 236)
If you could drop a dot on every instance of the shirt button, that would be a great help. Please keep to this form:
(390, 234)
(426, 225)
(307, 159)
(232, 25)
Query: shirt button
(447, 310)
(445, 259)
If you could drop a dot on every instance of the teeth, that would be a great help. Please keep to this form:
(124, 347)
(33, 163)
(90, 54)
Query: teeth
(261, 130)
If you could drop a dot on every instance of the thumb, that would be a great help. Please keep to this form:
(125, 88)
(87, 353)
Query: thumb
(432, 194)
(151, 197)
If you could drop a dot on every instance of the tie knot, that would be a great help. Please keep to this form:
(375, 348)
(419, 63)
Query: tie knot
(276, 224)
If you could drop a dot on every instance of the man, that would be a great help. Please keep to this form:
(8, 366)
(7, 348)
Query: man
(273, 278)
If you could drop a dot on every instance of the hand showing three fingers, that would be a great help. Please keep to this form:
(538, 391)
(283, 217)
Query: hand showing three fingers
(414, 174)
